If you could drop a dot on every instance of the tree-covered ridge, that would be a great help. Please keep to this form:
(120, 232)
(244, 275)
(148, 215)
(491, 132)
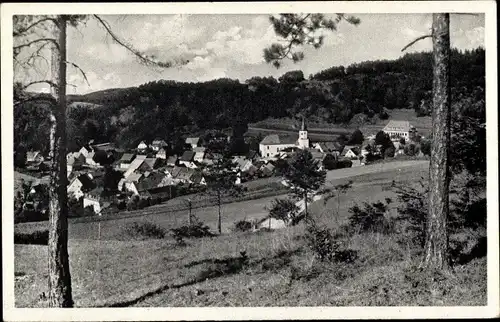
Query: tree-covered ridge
(169, 109)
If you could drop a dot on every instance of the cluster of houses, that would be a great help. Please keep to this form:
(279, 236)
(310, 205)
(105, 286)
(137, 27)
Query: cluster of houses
(148, 170)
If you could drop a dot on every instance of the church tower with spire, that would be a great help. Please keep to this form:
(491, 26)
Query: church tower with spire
(303, 141)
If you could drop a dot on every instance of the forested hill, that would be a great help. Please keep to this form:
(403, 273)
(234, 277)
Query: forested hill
(169, 108)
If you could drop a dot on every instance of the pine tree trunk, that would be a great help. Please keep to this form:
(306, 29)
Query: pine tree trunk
(436, 247)
(219, 219)
(58, 261)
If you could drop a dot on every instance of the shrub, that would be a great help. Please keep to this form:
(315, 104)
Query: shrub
(242, 225)
(412, 213)
(370, 218)
(356, 137)
(197, 230)
(34, 238)
(133, 202)
(144, 230)
(322, 242)
(286, 210)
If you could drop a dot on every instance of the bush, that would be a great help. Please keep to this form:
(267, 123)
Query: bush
(371, 218)
(322, 242)
(329, 162)
(242, 225)
(34, 238)
(197, 230)
(30, 215)
(144, 230)
(412, 213)
(356, 137)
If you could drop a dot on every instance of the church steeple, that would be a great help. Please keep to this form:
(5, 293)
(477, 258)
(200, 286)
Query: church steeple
(303, 141)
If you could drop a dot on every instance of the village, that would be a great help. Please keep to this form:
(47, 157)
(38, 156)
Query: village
(136, 177)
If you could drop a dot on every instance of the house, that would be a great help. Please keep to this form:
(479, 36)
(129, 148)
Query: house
(158, 144)
(34, 156)
(89, 159)
(172, 161)
(128, 184)
(126, 160)
(142, 146)
(187, 159)
(93, 199)
(79, 185)
(85, 150)
(161, 154)
(351, 151)
(267, 170)
(74, 161)
(333, 148)
(199, 153)
(134, 165)
(193, 142)
(148, 164)
(272, 144)
(242, 163)
(398, 129)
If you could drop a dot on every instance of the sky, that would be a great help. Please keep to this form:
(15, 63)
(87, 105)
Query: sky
(231, 46)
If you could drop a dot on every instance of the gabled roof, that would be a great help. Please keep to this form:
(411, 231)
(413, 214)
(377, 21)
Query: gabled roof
(104, 146)
(32, 154)
(134, 177)
(151, 162)
(127, 157)
(172, 159)
(151, 182)
(87, 183)
(185, 174)
(187, 156)
(142, 143)
(192, 140)
(399, 126)
(159, 142)
(273, 139)
(330, 146)
(353, 148)
(161, 150)
(199, 149)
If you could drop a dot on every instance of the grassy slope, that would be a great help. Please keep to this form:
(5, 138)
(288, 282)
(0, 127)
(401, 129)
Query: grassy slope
(111, 272)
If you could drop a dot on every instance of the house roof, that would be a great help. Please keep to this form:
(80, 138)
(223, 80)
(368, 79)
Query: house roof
(151, 182)
(192, 140)
(175, 171)
(87, 183)
(317, 154)
(127, 157)
(161, 150)
(330, 146)
(273, 139)
(199, 149)
(172, 159)
(159, 142)
(353, 148)
(151, 162)
(104, 146)
(187, 156)
(142, 143)
(397, 126)
(32, 154)
(185, 173)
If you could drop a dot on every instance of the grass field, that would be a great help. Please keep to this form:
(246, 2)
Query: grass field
(280, 270)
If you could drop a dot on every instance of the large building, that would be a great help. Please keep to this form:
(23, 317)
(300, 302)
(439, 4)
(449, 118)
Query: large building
(399, 129)
(273, 144)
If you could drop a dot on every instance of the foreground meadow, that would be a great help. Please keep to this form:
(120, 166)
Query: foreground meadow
(273, 268)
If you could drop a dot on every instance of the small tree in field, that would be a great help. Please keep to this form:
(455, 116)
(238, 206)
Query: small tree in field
(284, 209)
(304, 176)
(221, 182)
(356, 137)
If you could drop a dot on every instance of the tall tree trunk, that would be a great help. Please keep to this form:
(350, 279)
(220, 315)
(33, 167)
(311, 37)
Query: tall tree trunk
(219, 219)
(58, 261)
(305, 204)
(436, 247)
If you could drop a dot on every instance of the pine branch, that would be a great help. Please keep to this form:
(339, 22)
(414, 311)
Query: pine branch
(21, 31)
(17, 49)
(416, 40)
(50, 83)
(142, 58)
(80, 70)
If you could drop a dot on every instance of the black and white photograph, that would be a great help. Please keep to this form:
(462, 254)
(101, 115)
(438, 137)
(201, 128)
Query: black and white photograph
(249, 156)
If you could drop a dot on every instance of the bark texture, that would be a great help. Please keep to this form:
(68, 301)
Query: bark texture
(436, 247)
(58, 261)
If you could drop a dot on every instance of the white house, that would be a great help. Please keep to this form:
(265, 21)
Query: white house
(90, 201)
(398, 129)
(89, 159)
(79, 185)
(193, 142)
(158, 144)
(161, 154)
(273, 144)
(187, 159)
(199, 154)
(142, 146)
(85, 150)
(34, 156)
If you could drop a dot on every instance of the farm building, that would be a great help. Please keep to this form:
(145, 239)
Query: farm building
(399, 129)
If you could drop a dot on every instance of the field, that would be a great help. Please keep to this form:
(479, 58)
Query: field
(280, 271)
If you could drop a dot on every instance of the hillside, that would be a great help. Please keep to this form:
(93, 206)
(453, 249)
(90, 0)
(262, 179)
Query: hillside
(363, 94)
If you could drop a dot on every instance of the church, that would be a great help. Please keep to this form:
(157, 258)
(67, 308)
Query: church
(272, 144)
